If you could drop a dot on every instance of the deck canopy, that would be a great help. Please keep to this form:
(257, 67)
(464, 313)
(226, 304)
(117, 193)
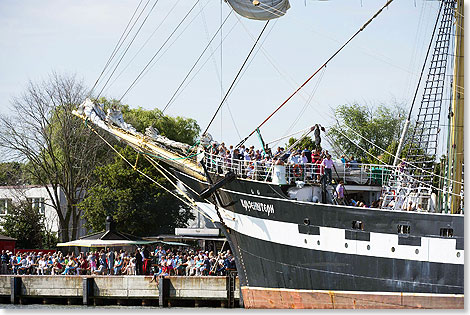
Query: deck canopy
(108, 238)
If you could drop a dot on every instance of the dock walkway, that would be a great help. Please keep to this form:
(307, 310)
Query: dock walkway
(215, 291)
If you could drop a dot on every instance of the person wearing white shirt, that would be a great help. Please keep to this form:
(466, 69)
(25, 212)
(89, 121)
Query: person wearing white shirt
(327, 165)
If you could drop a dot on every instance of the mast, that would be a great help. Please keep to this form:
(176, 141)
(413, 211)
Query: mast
(456, 159)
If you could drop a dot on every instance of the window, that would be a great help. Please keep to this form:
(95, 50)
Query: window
(358, 225)
(447, 232)
(403, 229)
(38, 204)
(4, 203)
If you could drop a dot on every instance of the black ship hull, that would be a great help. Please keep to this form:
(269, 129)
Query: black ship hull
(290, 246)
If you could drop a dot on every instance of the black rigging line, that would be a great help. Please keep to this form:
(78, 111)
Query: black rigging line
(170, 45)
(236, 77)
(425, 62)
(118, 45)
(321, 67)
(197, 61)
(146, 42)
(161, 47)
(128, 46)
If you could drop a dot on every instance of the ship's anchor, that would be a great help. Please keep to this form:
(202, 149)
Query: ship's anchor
(212, 189)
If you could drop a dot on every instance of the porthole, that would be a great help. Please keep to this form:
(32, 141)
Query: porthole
(368, 247)
(318, 242)
(458, 254)
(393, 249)
(252, 192)
(346, 245)
(417, 251)
(306, 221)
(257, 191)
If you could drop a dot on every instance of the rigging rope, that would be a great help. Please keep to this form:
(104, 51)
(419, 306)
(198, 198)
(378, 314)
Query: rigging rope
(190, 203)
(233, 82)
(142, 47)
(128, 46)
(219, 74)
(158, 168)
(118, 45)
(321, 67)
(202, 66)
(171, 44)
(307, 103)
(404, 174)
(194, 65)
(401, 160)
(146, 66)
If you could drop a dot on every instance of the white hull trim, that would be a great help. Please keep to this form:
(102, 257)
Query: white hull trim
(435, 250)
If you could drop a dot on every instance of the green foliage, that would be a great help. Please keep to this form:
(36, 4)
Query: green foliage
(381, 126)
(178, 128)
(138, 206)
(306, 142)
(12, 173)
(26, 224)
(59, 151)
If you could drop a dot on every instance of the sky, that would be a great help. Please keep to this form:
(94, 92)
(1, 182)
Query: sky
(380, 66)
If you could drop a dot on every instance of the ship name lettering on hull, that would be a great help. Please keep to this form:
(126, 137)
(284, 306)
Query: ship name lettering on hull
(253, 205)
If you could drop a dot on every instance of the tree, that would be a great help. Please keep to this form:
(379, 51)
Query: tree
(137, 205)
(177, 128)
(59, 150)
(12, 174)
(381, 127)
(306, 142)
(25, 223)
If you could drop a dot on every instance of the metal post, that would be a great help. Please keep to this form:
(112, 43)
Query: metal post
(163, 291)
(15, 289)
(231, 289)
(88, 284)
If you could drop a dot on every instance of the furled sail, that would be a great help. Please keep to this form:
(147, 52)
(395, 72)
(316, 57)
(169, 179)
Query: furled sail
(260, 9)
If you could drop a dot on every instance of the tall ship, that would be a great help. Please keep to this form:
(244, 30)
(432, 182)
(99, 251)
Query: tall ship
(297, 244)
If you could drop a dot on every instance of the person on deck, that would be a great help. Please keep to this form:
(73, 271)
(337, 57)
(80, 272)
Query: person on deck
(316, 160)
(327, 165)
(303, 158)
(340, 192)
(308, 154)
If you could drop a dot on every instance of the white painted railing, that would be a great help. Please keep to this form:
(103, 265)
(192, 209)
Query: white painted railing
(360, 174)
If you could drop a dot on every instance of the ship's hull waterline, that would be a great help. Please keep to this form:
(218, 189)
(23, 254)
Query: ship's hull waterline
(293, 254)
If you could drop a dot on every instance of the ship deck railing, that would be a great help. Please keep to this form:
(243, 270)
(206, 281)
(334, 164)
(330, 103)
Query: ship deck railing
(309, 173)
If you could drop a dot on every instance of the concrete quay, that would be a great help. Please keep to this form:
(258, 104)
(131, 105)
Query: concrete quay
(181, 291)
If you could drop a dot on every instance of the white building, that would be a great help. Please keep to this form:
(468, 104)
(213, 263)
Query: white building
(40, 199)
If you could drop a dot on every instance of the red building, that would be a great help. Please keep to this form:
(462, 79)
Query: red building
(7, 243)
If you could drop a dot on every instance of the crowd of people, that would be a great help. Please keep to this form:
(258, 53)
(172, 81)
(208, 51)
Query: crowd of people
(253, 163)
(142, 261)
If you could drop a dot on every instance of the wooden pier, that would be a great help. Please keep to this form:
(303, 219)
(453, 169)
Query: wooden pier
(181, 291)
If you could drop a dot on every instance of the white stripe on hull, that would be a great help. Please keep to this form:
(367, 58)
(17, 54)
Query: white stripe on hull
(436, 250)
